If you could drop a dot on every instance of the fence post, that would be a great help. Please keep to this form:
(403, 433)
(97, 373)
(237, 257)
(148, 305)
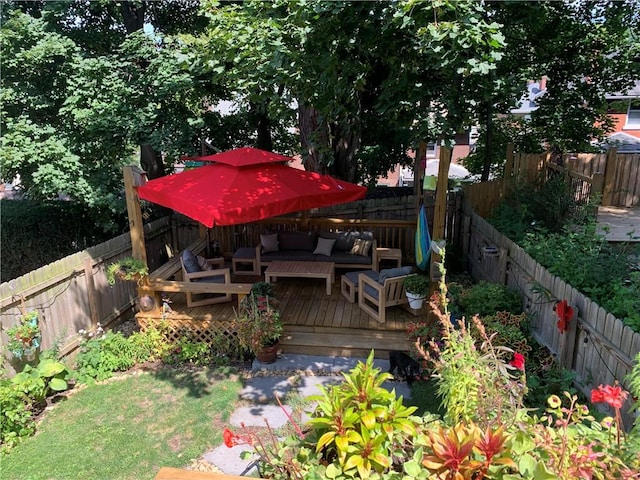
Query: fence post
(508, 166)
(610, 169)
(567, 342)
(94, 299)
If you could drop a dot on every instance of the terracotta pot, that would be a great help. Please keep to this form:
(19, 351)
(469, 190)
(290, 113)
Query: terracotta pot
(268, 354)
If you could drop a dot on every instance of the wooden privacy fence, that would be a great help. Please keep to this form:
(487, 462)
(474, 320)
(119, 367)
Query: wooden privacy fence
(598, 347)
(613, 176)
(72, 293)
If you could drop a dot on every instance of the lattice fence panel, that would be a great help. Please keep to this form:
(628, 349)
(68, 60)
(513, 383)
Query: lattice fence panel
(196, 330)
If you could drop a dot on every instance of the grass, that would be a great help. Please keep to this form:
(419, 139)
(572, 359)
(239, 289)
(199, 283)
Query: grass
(423, 396)
(129, 427)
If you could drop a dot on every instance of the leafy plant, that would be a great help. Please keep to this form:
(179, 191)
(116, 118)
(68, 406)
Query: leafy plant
(258, 324)
(25, 335)
(486, 298)
(262, 289)
(189, 351)
(16, 419)
(38, 382)
(128, 268)
(100, 357)
(416, 284)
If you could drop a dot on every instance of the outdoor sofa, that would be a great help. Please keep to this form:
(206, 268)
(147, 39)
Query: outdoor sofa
(349, 250)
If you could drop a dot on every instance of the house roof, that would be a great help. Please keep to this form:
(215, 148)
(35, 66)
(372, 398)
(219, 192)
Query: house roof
(633, 92)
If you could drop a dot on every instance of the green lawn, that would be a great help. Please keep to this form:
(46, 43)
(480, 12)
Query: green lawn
(128, 427)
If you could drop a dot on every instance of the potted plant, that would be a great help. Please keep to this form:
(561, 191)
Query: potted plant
(416, 288)
(24, 337)
(128, 268)
(259, 327)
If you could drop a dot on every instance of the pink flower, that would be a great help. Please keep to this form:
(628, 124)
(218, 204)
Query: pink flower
(612, 396)
(518, 361)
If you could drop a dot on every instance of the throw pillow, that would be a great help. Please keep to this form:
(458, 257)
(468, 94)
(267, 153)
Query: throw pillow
(269, 243)
(203, 264)
(324, 247)
(361, 247)
(190, 262)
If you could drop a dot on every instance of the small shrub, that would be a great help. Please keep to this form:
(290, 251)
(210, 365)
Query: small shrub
(100, 357)
(16, 415)
(190, 351)
(486, 298)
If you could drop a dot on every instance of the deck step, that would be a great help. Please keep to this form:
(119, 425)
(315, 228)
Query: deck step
(342, 342)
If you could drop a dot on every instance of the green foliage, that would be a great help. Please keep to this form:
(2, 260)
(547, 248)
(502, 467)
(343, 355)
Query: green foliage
(70, 227)
(128, 268)
(418, 284)
(544, 207)
(258, 323)
(38, 383)
(590, 264)
(25, 335)
(633, 380)
(16, 417)
(100, 357)
(486, 299)
(189, 351)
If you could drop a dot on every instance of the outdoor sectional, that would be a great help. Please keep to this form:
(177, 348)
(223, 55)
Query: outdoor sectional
(345, 249)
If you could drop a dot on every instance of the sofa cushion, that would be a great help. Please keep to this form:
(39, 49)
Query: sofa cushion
(394, 272)
(290, 255)
(214, 279)
(361, 247)
(190, 262)
(269, 242)
(296, 241)
(324, 247)
(344, 241)
(345, 258)
(353, 276)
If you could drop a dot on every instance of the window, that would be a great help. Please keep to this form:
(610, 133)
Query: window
(633, 116)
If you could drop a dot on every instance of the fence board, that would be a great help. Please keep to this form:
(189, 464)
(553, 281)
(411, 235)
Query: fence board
(610, 348)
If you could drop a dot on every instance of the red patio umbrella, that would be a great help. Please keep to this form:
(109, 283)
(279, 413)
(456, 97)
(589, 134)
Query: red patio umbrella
(246, 185)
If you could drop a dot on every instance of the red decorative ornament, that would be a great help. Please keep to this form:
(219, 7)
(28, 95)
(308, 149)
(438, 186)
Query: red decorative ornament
(564, 313)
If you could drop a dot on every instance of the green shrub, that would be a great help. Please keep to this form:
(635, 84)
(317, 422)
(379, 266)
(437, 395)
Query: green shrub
(38, 382)
(100, 357)
(486, 298)
(16, 415)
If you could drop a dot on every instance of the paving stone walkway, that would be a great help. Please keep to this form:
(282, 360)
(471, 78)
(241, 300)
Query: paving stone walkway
(310, 372)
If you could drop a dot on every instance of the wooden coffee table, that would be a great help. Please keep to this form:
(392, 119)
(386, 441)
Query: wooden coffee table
(324, 270)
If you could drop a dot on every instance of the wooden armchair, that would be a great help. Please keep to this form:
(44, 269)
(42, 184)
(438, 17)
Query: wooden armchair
(374, 297)
(191, 272)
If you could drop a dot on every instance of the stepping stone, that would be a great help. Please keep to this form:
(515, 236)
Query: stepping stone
(264, 389)
(228, 460)
(255, 416)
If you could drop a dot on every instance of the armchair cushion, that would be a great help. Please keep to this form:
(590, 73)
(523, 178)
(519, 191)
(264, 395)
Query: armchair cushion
(203, 264)
(394, 272)
(190, 262)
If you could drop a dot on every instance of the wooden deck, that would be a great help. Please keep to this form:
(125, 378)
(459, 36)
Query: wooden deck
(619, 224)
(315, 323)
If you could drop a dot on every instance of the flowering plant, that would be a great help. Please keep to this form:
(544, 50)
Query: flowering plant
(258, 323)
(25, 335)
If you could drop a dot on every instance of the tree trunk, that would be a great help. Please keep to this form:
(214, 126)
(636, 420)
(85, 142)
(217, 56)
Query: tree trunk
(133, 15)
(345, 144)
(312, 134)
(151, 161)
(258, 116)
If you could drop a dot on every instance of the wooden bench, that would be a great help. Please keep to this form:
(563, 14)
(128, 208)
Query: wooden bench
(169, 473)
(240, 289)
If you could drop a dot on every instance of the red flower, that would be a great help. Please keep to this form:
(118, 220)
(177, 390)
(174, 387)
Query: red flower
(612, 396)
(518, 361)
(230, 438)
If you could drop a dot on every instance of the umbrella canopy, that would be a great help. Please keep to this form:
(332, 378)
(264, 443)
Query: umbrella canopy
(242, 190)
